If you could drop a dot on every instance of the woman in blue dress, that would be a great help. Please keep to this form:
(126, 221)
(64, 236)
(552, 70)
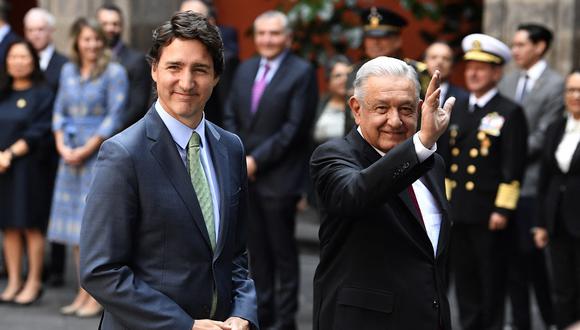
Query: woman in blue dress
(25, 113)
(91, 95)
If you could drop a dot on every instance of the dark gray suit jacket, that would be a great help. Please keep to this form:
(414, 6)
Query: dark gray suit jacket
(542, 106)
(145, 250)
(278, 134)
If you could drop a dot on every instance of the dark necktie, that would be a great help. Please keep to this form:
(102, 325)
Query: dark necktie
(414, 200)
(524, 89)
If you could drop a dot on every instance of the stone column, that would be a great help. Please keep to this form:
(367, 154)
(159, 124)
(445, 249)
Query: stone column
(501, 18)
(141, 17)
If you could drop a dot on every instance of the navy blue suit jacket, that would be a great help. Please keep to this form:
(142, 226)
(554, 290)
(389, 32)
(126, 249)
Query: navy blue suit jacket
(8, 39)
(145, 250)
(278, 134)
(52, 72)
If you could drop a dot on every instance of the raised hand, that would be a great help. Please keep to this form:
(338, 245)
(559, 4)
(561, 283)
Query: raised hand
(434, 120)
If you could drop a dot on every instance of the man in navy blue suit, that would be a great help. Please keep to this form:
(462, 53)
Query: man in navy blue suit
(271, 106)
(163, 242)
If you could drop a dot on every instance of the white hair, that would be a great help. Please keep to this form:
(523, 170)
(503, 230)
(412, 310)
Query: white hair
(39, 13)
(384, 66)
(275, 14)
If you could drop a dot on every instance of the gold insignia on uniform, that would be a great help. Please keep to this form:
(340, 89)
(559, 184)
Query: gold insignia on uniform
(469, 185)
(485, 144)
(375, 18)
(508, 195)
(454, 168)
(453, 133)
(449, 185)
(455, 152)
(473, 153)
(471, 169)
(21, 103)
(481, 135)
(476, 45)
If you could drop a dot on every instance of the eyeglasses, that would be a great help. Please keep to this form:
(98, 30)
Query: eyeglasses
(571, 91)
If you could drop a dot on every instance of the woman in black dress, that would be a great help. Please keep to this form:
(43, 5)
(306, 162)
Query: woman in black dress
(25, 117)
(559, 210)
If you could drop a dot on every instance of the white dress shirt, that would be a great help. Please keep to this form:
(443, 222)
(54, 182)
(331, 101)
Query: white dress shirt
(181, 135)
(568, 145)
(430, 212)
(483, 100)
(45, 55)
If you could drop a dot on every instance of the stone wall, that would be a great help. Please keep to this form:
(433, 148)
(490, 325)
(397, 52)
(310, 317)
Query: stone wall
(141, 17)
(501, 18)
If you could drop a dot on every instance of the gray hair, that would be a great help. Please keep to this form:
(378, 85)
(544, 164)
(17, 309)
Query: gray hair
(39, 13)
(275, 14)
(384, 66)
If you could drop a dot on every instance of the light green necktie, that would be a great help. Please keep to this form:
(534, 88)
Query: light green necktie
(201, 186)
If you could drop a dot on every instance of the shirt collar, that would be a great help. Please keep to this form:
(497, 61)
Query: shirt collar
(358, 129)
(275, 62)
(180, 132)
(483, 100)
(572, 125)
(4, 30)
(536, 70)
(45, 55)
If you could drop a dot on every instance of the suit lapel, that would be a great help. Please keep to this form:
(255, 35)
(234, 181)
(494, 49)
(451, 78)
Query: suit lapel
(220, 162)
(370, 156)
(247, 95)
(164, 151)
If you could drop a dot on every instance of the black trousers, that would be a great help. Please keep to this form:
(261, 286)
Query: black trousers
(527, 266)
(274, 258)
(565, 253)
(479, 265)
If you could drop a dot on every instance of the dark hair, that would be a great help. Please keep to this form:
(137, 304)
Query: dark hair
(332, 61)
(4, 10)
(537, 33)
(37, 77)
(575, 70)
(112, 7)
(189, 26)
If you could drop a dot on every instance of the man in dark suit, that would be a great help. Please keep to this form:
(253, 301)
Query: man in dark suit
(538, 89)
(110, 18)
(272, 106)
(215, 104)
(485, 151)
(385, 230)
(38, 29)
(7, 36)
(163, 243)
(439, 56)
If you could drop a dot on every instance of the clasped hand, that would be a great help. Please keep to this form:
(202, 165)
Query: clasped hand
(5, 160)
(232, 323)
(434, 119)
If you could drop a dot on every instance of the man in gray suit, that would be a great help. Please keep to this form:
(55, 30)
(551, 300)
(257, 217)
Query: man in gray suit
(163, 242)
(539, 90)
